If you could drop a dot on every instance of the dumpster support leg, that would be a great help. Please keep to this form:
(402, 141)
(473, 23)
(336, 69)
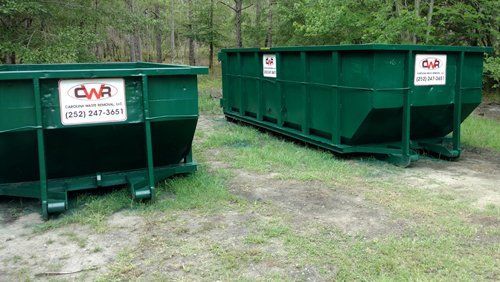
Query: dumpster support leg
(457, 107)
(407, 155)
(282, 109)
(41, 149)
(149, 145)
(336, 134)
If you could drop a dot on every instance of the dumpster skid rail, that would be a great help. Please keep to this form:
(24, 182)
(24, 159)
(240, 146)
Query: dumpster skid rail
(389, 100)
(69, 127)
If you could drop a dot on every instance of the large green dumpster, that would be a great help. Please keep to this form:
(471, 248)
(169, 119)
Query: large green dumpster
(391, 100)
(70, 127)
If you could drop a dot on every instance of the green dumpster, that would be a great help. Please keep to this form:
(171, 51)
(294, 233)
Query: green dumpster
(389, 100)
(67, 127)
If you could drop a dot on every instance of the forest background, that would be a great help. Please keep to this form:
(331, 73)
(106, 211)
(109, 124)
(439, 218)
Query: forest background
(192, 31)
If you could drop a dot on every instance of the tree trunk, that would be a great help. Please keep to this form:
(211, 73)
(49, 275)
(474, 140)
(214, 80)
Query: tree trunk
(158, 36)
(138, 42)
(172, 30)
(238, 7)
(269, 35)
(417, 14)
(96, 47)
(10, 59)
(192, 58)
(211, 44)
(132, 48)
(159, 53)
(398, 7)
(131, 37)
(258, 21)
(429, 20)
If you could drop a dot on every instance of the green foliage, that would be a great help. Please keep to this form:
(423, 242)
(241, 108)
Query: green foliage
(492, 70)
(33, 31)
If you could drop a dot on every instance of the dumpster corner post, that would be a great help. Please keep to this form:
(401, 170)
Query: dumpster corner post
(149, 143)
(457, 106)
(40, 149)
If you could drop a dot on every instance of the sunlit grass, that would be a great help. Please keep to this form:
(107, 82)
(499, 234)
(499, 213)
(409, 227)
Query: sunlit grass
(247, 148)
(201, 190)
(481, 132)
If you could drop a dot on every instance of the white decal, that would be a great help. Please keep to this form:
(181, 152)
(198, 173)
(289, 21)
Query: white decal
(430, 69)
(269, 65)
(86, 101)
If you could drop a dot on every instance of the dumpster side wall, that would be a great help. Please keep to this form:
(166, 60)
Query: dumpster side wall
(96, 148)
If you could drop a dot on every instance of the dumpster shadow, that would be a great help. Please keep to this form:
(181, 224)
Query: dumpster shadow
(12, 208)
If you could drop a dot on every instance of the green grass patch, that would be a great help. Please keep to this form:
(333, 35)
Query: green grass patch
(209, 103)
(247, 148)
(411, 257)
(481, 132)
(201, 190)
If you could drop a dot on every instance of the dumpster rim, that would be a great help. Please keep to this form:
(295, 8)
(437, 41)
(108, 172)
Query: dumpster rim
(85, 70)
(365, 47)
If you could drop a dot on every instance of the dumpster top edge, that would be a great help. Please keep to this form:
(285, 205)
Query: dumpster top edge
(366, 47)
(90, 70)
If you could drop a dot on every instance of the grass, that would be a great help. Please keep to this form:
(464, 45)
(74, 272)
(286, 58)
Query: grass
(247, 148)
(202, 190)
(481, 132)
(438, 244)
(210, 89)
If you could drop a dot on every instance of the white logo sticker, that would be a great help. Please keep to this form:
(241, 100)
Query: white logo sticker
(269, 65)
(85, 101)
(430, 69)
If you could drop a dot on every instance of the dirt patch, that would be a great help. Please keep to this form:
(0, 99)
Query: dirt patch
(188, 245)
(208, 124)
(473, 177)
(11, 208)
(489, 110)
(314, 203)
(73, 248)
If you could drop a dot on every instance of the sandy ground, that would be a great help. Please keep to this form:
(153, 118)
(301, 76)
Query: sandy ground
(25, 254)
(489, 110)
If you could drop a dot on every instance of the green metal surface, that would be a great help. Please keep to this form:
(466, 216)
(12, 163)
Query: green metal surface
(44, 159)
(355, 98)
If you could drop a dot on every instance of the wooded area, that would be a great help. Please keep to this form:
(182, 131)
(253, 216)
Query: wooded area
(191, 31)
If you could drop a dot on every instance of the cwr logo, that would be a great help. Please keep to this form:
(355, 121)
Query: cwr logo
(92, 91)
(269, 61)
(430, 63)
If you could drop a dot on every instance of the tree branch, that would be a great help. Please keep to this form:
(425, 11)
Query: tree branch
(227, 6)
(242, 9)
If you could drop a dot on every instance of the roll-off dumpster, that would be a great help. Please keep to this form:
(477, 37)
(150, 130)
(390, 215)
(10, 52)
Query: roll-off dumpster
(69, 127)
(391, 100)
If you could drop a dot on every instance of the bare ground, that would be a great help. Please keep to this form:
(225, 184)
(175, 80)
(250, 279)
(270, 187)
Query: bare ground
(474, 177)
(489, 110)
(191, 245)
